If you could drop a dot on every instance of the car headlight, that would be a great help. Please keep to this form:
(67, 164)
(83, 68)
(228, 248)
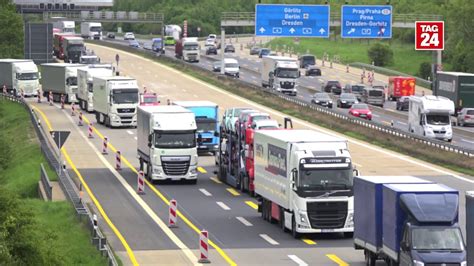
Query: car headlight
(193, 171)
(303, 219)
(330, 101)
(157, 171)
(369, 113)
(316, 101)
(356, 102)
(350, 220)
(355, 112)
(418, 263)
(343, 101)
(464, 263)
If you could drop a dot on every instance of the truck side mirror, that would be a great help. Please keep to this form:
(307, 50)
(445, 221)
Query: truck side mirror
(150, 138)
(199, 138)
(355, 172)
(294, 175)
(216, 134)
(405, 246)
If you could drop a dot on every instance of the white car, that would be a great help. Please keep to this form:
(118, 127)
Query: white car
(210, 42)
(212, 36)
(129, 36)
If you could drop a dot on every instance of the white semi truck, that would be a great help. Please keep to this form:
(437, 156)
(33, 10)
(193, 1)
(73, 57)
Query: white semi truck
(280, 73)
(65, 26)
(115, 101)
(84, 83)
(304, 180)
(166, 141)
(19, 75)
(91, 30)
(60, 79)
(430, 116)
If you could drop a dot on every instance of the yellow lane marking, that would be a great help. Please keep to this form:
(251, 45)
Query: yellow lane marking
(308, 241)
(337, 260)
(119, 235)
(252, 204)
(216, 180)
(233, 192)
(166, 201)
(201, 170)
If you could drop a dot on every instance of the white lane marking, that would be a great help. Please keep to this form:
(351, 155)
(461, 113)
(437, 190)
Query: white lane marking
(222, 205)
(403, 123)
(375, 115)
(269, 239)
(405, 158)
(130, 132)
(298, 261)
(469, 141)
(244, 221)
(189, 254)
(205, 192)
(135, 138)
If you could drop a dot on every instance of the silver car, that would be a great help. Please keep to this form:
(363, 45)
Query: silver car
(466, 117)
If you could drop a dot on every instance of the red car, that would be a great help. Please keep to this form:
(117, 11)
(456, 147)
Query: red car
(361, 110)
(149, 99)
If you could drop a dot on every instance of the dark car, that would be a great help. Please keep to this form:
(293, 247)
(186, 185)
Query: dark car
(264, 52)
(346, 100)
(216, 66)
(254, 50)
(312, 71)
(229, 48)
(211, 50)
(402, 103)
(323, 99)
(110, 35)
(355, 89)
(307, 60)
(133, 43)
(333, 86)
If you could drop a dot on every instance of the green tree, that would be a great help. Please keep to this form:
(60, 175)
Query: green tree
(11, 30)
(425, 70)
(381, 54)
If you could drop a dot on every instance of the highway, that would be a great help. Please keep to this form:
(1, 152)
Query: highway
(239, 234)
(250, 67)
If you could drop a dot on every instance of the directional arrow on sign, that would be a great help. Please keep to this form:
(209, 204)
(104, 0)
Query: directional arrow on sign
(292, 30)
(262, 30)
(351, 31)
(322, 31)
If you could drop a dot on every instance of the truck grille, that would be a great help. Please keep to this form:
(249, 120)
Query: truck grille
(126, 110)
(287, 85)
(206, 140)
(327, 215)
(175, 166)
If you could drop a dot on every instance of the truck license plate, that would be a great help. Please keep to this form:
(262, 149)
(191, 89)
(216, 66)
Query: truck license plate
(327, 230)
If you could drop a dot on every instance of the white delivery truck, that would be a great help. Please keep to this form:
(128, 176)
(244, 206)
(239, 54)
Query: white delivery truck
(19, 75)
(65, 26)
(188, 49)
(84, 83)
(280, 74)
(304, 180)
(166, 141)
(115, 101)
(91, 30)
(430, 116)
(60, 78)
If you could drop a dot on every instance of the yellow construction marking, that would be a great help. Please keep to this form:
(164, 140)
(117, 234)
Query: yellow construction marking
(201, 170)
(252, 204)
(216, 180)
(167, 202)
(233, 192)
(308, 241)
(337, 260)
(119, 235)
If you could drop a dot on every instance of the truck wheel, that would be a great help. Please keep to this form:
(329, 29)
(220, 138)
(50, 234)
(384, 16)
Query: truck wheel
(97, 118)
(293, 228)
(282, 220)
(107, 121)
(369, 258)
(264, 209)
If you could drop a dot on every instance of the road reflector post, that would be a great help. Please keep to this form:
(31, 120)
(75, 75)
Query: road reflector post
(90, 131)
(104, 146)
(73, 109)
(347, 68)
(62, 101)
(140, 183)
(330, 64)
(38, 94)
(80, 119)
(204, 247)
(172, 214)
(50, 98)
(118, 161)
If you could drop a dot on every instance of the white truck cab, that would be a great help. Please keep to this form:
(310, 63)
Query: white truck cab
(430, 116)
(19, 75)
(166, 141)
(191, 51)
(91, 30)
(280, 73)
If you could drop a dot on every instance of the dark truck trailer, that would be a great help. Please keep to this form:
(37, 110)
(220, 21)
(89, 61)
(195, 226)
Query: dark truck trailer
(456, 86)
(407, 221)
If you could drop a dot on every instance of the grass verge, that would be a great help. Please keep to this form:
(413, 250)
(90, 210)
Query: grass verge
(449, 160)
(406, 58)
(67, 238)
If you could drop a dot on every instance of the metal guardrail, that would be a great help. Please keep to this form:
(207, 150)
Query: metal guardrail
(107, 16)
(48, 188)
(388, 72)
(65, 181)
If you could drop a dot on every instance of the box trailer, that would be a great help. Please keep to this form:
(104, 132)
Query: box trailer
(399, 86)
(60, 79)
(456, 86)
(85, 88)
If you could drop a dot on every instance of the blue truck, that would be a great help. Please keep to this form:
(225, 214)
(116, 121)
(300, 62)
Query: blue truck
(407, 221)
(206, 114)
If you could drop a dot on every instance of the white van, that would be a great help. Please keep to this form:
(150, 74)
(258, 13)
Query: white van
(231, 67)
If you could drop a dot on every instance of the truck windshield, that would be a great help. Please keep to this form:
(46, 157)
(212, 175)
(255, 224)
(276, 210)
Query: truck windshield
(95, 29)
(175, 140)
(75, 48)
(326, 179)
(437, 239)
(125, 96)
(375, 93)
(286, 73)
(193, 46)
(437, 119)
(27, 76)
(71, 81)
(308, 60)
(206, 125)
(90, 87)
(90, 60)
(232, 65)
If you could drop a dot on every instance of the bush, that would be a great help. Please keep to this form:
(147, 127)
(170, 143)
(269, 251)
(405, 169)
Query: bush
(380, 54)
(425, 70)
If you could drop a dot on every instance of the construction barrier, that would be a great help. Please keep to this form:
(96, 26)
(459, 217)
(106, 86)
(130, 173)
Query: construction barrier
(62, 101)
(50, 98)
(90, 131)
(80, 119)
(204, 247)
(118, 161)
(172, 213)
(73, 109)
(38, 95)
(140, 183)
(104, 146)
